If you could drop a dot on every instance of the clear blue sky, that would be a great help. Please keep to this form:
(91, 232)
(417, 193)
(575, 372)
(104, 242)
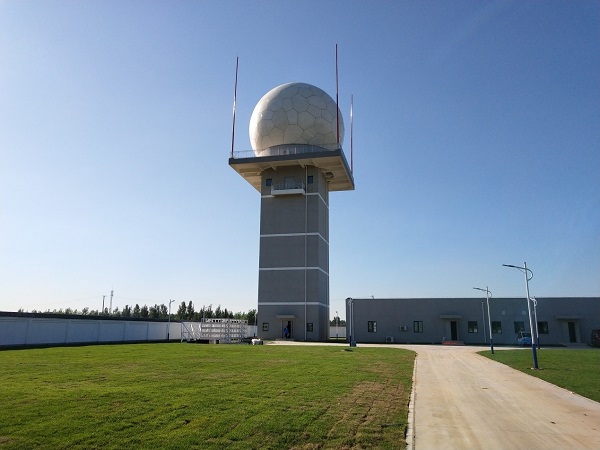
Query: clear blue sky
(476, 144)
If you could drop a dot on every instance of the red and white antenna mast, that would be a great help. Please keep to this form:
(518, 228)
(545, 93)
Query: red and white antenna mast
(237, 60)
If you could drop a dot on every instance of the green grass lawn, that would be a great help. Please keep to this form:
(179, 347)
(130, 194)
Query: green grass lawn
(577, 370)
(204, 396)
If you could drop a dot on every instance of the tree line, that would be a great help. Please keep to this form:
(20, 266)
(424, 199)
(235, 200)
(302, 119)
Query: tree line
(337, 322)
(184, 312)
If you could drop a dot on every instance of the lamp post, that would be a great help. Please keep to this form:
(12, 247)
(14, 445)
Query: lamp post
(488, 294)
(337, 324)
(528, 278)
(537, 334)
(351, 327)
(169, 324)
(483, 322)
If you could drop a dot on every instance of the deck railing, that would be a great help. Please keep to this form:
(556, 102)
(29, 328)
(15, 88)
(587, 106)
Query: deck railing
(284, 150)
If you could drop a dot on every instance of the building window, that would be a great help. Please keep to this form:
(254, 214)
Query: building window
(418, 326)
(372, 326)
(309, 327)
(269, 182)
(519, 326)
(472, 326)
(543, 328)
(309, 179)
(496, 327)
(265, 326)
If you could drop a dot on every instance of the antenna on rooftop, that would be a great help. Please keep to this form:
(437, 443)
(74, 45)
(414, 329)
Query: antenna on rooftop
(351, 133)
(337, 103)
(237, 60)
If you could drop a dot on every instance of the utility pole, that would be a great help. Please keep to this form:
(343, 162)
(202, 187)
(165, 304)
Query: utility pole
(103, 297)
(111, 296)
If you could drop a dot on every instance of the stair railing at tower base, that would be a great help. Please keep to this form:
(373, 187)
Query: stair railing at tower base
(188, 333)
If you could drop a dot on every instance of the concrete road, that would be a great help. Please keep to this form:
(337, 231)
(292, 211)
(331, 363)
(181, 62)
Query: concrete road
(466, 401)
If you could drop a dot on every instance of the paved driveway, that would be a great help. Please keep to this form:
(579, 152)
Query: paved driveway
(466, 401)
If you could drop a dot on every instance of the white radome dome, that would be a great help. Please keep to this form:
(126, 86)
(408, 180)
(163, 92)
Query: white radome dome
(295, 113)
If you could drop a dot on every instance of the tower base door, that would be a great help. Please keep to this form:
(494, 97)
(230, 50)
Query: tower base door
(287, 329)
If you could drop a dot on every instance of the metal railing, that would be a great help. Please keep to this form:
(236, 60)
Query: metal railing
(284, 150)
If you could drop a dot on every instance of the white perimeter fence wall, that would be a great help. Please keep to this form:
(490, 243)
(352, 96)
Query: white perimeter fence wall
(18, 331)
(24, 331)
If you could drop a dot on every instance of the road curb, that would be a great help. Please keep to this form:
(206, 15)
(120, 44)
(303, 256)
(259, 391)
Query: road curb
(410, 428)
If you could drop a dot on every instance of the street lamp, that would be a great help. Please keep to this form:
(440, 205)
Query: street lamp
(488, 294)
(537, 334)
(351, 325)
(337, 324)
(528, 272)
(169, 325)
(483, 322)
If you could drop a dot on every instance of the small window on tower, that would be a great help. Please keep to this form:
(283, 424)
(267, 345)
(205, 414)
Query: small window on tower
(309, 179)
(265, 326)
(269, 181)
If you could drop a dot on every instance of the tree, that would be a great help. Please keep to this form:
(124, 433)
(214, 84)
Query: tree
(163, 312)
(333, 322)
(136, 310)
(126, 312)
(181, 311)
(251, 317)
(153, 313)
(190, 310)
(144, 311)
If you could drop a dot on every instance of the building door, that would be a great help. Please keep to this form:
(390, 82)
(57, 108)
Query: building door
(572, 332)
(453, 331)
(286, 329)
